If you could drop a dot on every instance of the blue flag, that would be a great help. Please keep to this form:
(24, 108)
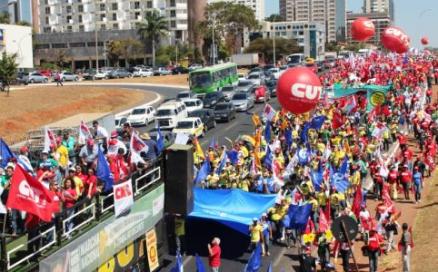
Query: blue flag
(203, 172)
(317, 179)
(269, 267)
(255, 260)
(103, 171)
(199, 264)
(222, 163)
(344, 166)
(298, 215)
(212, 142)
(339, 182)
(267, 161)
(304, 133)
(303, 156)
(317, 122)
(288, 137)
(179, 264)
(233, 156)
(160, 140)
(268, 131)
(5, 153)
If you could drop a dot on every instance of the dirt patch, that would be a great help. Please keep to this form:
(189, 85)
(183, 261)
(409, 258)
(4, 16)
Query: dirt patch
(31, 108)
(167, 80)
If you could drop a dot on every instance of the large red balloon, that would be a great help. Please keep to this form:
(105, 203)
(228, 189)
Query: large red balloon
(395, 40)
(298, 90)
(362, 29)
(425, 41)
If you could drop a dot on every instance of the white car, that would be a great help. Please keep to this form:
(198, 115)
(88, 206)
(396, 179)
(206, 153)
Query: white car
(184, 95)
(142, 72)
(120, 121)
(192, 126)
(276, 72)
(256, 78)
(193, 104)
(141, 115)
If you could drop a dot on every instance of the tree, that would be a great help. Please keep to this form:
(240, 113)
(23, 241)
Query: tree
(62, 59)
(4, 18)
(283, 47)
(167, 54)
(8, 69)
(152, 29)
(114, 50)
(274, 18)
(127, 49)
(23, 23)
(332, 47)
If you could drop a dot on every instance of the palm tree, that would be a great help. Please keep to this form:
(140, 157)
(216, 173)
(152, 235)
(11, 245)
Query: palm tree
(152, 29)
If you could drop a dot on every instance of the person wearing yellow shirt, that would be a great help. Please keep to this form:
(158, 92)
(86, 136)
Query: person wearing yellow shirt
(255, 231)
(79, 184)
(61, 154)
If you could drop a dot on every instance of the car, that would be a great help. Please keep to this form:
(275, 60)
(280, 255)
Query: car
(21, 78)
(243, 101)
(169, 113)
(185, 95)
(244, 86)
(224, 111)
(91, 74)
(161, 71)
(312, 66)
(211, 99)
(69, 76)
(120, 121)
(193, 104)
(256, 78)
(275, 72)
(141, 115)
(180, 70)
(207, 117)
(119, 73)
(271, 84)
(47, 73)
(261, 93)
(256, 70)
(228, 92)
(142, 72)
(192, 126)
(168, 136)
(35, 77)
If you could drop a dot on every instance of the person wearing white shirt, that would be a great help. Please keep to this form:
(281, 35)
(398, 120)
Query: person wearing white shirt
(101, 135)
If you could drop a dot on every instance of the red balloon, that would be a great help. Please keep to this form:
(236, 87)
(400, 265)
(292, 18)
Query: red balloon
(395, 40)
(298, 90)
(425, 41)
(362, 29)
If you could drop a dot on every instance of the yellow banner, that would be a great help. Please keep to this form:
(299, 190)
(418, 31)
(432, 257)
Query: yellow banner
(151, 245)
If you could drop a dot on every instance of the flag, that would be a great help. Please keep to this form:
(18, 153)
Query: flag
(84, 133)
(222, 163)
(5, 154)
(49, 139)
(351, 104)
(339, 181)
(256, 120)
(288, 137)
(160, 140)
(323, 222)
(303, 156)
(357, 202)
(269, 112)
(137, 146)
(103, 172)
(203, 172)
(317, 179)
(212, 143)
(304, 132)
(269, 267)
(267, 161)
(199, 264)
(268, 131)
(258, 138)
(233, 156)
(317, 122)
(179, 264)
(344, 166)
(338, 120)
(255, 260)
(298, 215)
(198, 151)
(376, 97)
(29, 195)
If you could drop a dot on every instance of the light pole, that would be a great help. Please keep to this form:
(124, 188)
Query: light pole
(273, 50)
(213, 42)
(176, 52)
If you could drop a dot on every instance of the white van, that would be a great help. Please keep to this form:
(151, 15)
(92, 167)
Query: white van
(295, 59)
(169, 113)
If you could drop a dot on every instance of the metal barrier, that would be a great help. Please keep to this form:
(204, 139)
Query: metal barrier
(67, 220)
(104, 203)
(24, 259)
(141, 183)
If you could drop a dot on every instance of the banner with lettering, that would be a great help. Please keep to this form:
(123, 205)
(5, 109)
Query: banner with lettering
(123, 197)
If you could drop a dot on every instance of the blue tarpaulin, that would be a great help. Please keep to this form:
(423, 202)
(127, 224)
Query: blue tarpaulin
(234, 208)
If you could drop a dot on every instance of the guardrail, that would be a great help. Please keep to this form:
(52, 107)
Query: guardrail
(86, 212)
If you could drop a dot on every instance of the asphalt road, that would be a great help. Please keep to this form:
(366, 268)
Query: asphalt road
(234, 244)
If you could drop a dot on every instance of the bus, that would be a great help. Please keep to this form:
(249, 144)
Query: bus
(211, 79)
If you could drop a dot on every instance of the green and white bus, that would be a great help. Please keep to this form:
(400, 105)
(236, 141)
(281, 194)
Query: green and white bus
(210, 79)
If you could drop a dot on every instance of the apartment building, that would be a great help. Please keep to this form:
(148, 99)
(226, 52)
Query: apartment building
(258, 6)
(330, 13)
(380, 20)
(379, 6)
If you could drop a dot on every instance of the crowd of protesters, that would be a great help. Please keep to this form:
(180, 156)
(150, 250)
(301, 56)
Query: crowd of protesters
(370, 148)
(68, 169)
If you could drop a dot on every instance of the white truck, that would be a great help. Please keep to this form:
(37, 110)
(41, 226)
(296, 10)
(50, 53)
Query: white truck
(249, 59)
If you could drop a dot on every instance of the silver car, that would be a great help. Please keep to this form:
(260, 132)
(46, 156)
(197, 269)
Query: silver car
(68, 76)
(243, 101)
(35, 77)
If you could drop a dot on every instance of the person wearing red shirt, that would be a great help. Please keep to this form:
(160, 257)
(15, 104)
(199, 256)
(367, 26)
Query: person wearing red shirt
(405, 180)
(69, 197)
(393, 182)
(374, 242)
(90, 184)
(214, 257)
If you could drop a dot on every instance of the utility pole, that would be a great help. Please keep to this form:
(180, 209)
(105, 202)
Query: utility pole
(273, 51)
(213, 42)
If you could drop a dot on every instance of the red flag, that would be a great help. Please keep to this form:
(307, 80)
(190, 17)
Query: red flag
(327, 210)
(29, 195)
(338, 120)
(309, 227)
(323, 223)
(355, 208)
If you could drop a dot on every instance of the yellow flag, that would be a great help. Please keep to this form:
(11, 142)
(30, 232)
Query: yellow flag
(257, 138)
(198, 151)
(256, 120)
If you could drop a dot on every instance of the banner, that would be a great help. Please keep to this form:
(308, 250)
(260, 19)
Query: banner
(123, 197)
(101, 243)
(151, 249)
(375, 98)
(339, 91)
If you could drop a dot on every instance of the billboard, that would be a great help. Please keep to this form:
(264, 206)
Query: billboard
(101, 243)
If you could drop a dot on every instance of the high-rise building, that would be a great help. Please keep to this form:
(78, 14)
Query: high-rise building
(20, 11)
(331, 13)
(379, 6)
(258, 6)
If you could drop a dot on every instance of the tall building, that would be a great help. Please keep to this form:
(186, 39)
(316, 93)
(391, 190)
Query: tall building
(379, 6)
(258, 6)
(20, 11)
(331, 13)
(380, 20)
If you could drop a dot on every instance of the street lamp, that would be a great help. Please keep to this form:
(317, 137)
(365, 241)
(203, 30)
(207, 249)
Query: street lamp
(273, 46)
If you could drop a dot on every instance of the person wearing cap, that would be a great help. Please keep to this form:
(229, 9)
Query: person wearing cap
(417, 178)
(88, 153)
(114, 144)
(267, 233)
(152, 153)
(373, 246)
(256, 235)
(214, 254)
